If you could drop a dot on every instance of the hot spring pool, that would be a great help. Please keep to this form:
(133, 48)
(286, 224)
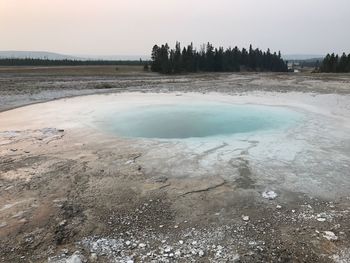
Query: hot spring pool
(181, 121)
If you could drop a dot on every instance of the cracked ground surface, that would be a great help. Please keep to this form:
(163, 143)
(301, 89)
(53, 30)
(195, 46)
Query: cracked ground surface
(73, 193)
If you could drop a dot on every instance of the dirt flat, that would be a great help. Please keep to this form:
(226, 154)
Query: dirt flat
(71, 194)
(25, 85)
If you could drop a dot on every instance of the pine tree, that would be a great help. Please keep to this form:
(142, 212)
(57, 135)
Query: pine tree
(209, 56)
(164, 59)
(252, 63)
(342, 65)
(156, 63)
(326, 64)
(177, 58)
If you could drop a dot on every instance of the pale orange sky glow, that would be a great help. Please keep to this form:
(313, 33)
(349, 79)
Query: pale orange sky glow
(107, 27)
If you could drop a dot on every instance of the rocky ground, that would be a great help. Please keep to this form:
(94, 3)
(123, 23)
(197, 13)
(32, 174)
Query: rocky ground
(73, 196)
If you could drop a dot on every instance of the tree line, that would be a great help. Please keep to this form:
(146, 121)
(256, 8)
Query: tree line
(210, 59)
(336, 64)
(65, 62)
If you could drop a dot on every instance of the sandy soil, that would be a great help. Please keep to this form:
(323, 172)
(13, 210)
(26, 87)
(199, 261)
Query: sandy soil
(71, 192)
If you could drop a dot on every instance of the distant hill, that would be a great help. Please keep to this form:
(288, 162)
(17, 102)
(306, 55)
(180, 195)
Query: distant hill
(116, 57)
(36, 55)
(303, 57)
(57, 56)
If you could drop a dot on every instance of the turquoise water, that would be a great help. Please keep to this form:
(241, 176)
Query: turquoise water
(197, 121)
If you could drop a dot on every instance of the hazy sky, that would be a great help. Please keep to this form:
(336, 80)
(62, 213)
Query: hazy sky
(108, 27)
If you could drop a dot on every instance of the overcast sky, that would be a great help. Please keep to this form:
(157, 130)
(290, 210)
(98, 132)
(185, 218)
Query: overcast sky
(127, 27)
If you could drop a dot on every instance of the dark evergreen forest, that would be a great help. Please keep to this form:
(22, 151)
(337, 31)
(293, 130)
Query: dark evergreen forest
(210, 59)
(336, 64)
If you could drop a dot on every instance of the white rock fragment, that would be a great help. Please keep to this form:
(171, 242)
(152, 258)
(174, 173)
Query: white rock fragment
(321, 219)
(93, 257)
(168, 249)
(128, 243)
(278, 206)
(63, 223)
(235, 258)
(269, 195)
(178, 253)
(181, 242)
(329, 235)
(75, 258)
(142, 245)
(245, 218)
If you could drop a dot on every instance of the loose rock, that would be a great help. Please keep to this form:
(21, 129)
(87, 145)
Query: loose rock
(269, 195)
(329, 235)
(245, 218)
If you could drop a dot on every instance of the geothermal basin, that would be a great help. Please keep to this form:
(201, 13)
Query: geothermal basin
(217, 174)
(299, 144)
